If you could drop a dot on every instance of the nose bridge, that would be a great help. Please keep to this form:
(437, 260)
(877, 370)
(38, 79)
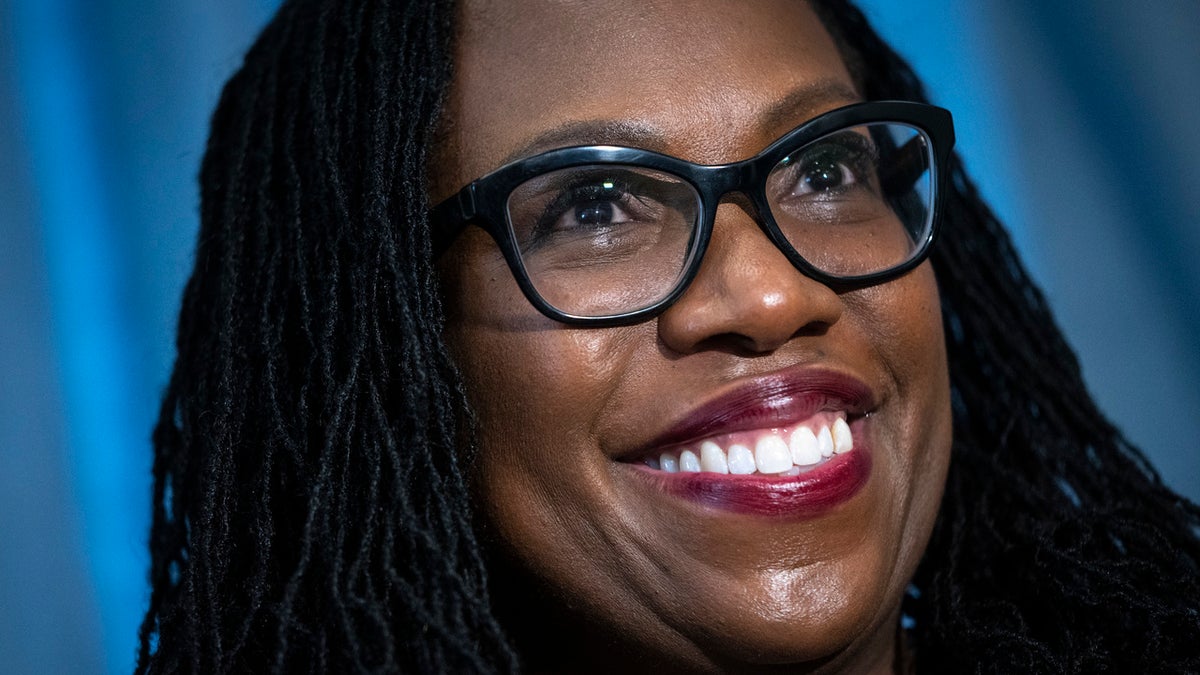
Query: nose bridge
(741, 234)
(740, 185)
(736, 184)
(746, 290)
(718, 182)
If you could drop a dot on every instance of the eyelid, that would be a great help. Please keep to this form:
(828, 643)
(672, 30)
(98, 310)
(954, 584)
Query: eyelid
(584, 176)
(860, 144)
(858, 152)
(625, 183)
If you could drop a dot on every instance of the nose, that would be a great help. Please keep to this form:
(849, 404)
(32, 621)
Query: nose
(747, 295)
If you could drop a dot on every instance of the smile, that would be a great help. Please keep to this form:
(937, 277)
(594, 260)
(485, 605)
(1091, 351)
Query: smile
(792, 443)
(778, 452)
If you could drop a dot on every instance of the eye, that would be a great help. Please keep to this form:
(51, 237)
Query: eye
(589, 206)
(594, 205)
(833, 166)
(823, 174)
(596, 213)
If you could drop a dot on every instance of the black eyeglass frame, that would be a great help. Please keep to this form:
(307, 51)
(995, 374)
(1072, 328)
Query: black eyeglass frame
(484, 201)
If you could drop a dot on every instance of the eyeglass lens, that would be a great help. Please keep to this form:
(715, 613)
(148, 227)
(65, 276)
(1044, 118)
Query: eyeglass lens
(604, 240)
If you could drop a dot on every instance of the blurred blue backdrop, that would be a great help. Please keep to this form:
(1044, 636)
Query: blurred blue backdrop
(1078, 119)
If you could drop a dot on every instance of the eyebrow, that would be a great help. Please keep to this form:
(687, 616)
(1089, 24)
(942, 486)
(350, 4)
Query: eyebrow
(629, 133)
(798, 105)
(806, 102)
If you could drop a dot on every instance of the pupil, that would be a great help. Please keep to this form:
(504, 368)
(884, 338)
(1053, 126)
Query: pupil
(595, 213)
(823, 175)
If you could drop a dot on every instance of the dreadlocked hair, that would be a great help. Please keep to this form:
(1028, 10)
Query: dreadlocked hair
(310, 508)
(310, 512)
(1057, 547)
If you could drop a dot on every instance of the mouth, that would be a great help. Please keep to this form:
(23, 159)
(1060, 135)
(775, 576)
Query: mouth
(791, 443)
(779, 451)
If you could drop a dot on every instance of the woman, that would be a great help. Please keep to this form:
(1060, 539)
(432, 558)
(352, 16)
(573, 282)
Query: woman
(418, 423)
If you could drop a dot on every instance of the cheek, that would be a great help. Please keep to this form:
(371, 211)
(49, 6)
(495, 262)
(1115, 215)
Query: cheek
(538, 388)
(903, 321)
(538, 477)
(525, 374)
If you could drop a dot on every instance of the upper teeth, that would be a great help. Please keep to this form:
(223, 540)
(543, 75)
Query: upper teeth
(774, 452)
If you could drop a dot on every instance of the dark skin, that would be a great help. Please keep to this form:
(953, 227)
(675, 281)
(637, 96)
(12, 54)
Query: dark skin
(601, 571)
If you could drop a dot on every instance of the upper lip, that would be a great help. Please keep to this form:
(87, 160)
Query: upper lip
(775, 399)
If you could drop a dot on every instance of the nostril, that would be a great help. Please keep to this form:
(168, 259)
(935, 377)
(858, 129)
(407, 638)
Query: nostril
(756, 342)
(748, 336)
(738, 344)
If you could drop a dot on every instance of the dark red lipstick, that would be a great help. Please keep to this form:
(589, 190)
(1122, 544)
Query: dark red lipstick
(780, 399)
(804, 496)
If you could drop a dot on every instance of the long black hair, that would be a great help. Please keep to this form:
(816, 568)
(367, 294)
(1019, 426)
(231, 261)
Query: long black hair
(311, 512)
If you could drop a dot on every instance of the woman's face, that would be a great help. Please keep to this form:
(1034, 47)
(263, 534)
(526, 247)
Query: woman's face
(709, 571)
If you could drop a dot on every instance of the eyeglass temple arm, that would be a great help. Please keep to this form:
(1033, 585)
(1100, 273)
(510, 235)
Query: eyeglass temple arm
(909, 165)
(449, 218)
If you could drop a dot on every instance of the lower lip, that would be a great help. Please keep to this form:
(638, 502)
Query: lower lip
(805, 496)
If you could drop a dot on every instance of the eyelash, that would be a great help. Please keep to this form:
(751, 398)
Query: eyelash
(853, 150)
(585, 189)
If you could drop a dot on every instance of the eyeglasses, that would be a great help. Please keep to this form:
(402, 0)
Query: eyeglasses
(604, 235)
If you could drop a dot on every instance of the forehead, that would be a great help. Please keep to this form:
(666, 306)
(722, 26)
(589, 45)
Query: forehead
(709, 81)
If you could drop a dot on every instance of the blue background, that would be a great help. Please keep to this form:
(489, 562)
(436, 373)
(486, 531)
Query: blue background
(1078, 119)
